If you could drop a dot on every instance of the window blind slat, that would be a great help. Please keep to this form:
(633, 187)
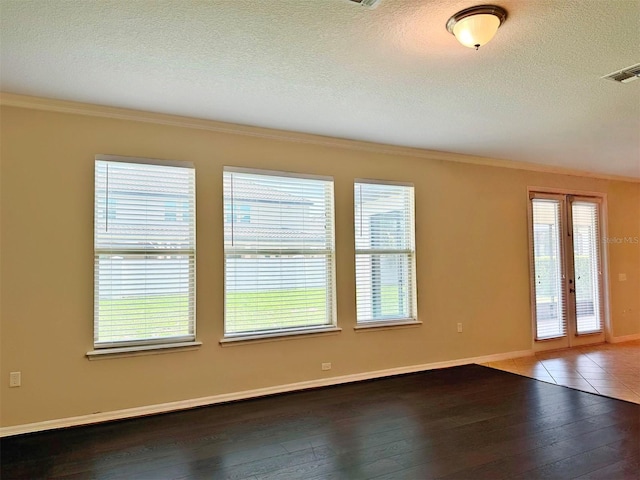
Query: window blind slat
(279, 260)
(385, 250)
(144, 240)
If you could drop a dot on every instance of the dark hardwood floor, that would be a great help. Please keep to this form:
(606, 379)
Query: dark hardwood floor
(468, 422)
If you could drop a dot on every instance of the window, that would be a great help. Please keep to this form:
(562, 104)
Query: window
(241, 213)
(279, 252)
(144, 275)
(385, 253)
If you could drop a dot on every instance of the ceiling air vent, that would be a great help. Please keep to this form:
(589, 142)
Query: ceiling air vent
(625, 75)
(367, 3)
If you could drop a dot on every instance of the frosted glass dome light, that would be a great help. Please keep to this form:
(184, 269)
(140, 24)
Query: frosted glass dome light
(475, 26)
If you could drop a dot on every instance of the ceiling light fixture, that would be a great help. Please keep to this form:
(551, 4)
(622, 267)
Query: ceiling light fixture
(475, 26)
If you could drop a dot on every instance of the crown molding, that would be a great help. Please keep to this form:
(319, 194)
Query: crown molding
(77, 108)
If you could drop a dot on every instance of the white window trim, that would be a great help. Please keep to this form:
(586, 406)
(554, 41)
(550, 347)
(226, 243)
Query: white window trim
(277, 173)
(413, 303)
(145, 161)
(374, 181)
(149, 346)
(386, 324)
(229, 339)
(273, 336)
(138, 350)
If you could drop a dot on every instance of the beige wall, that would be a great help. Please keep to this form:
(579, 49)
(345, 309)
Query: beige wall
(471, 233)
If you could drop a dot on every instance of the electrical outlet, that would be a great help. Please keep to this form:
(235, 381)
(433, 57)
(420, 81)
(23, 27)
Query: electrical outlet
(15, 379)
(326, 366)
(459, 327)
(622, 277)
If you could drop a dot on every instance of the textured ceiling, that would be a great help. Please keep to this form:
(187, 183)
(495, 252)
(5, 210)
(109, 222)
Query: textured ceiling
(390, 75)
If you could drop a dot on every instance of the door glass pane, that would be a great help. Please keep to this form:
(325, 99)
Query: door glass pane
(586, 261)
(547, 259)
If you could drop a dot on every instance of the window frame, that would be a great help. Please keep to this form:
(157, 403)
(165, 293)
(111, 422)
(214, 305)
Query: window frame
(149, 345)
(274, 333)
(410, 253)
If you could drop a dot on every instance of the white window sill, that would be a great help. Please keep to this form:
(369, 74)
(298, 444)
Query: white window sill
(135, 351)
(369, 326)
(277, 336)
(585, 334)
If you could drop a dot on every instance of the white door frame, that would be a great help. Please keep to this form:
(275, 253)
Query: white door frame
(604, 248)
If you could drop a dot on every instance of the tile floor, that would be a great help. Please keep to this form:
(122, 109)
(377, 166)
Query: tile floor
(609, 369)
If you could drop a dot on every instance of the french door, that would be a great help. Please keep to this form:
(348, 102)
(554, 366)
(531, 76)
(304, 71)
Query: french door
(566, 267)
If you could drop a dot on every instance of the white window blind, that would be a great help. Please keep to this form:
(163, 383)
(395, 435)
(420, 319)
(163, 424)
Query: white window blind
(279, 252)
(144, 243)
(587, 266)
(385, 252)
(548, 258)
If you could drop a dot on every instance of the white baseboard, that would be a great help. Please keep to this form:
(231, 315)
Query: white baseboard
(246, 394)
(625, 338)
